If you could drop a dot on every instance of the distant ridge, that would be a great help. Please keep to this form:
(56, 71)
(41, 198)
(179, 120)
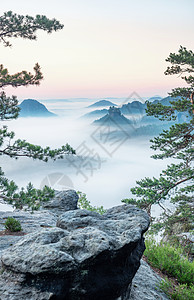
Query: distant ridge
(55, 100)
(33, 108)
(102, 103)
(96, 113)
(157, 97)
(135, 107)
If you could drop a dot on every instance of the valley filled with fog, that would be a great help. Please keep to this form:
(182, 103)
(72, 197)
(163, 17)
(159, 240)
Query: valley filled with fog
(104, 169)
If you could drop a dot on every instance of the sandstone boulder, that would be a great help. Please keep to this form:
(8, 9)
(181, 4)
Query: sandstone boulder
(86, 256)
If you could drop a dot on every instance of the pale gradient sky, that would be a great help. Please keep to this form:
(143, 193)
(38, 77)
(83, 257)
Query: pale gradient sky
(108, 48)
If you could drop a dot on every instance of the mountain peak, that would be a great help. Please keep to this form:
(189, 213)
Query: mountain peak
(33, 108)
(102, 103)
(114, 117)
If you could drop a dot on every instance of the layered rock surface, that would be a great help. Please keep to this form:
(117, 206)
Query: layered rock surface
(79, 255)
(44, 218)
(86, 256)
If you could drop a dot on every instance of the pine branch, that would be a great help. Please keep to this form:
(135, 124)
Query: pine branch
(14, 26)
(22, 78)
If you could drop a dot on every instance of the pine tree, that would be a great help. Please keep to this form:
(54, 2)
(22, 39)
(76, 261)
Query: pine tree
(19, 26)
(176, 182)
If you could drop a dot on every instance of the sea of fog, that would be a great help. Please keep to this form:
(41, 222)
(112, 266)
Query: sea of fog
(104, 170)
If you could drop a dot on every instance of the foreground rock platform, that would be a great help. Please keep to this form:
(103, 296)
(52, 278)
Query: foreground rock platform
(85, 256)
(46, 217)
(68, 253)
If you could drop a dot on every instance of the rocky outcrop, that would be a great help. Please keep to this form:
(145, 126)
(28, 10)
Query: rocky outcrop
(29, 222)
(134, 107)
(63, 201)
(44, 218)
(85, 256)
(114, 118)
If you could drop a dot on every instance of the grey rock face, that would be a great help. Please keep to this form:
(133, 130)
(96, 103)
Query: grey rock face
(29, 222)
(63, 201)
(87, 256)
(145, 285)
(46, 217)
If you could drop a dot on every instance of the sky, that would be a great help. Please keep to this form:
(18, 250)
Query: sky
(108, 48)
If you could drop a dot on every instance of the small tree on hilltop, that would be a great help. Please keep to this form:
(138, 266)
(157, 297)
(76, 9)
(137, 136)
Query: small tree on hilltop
(14, 26)
(176, 182)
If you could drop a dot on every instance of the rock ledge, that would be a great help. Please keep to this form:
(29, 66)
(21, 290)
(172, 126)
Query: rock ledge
(86, 256)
